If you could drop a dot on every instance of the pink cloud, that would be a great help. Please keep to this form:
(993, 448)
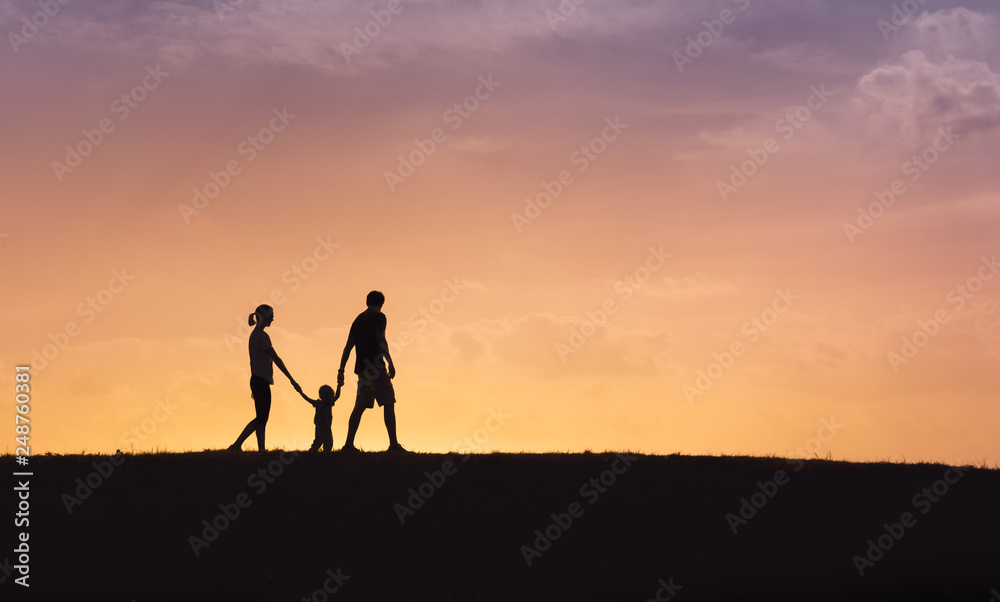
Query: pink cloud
(916, 97)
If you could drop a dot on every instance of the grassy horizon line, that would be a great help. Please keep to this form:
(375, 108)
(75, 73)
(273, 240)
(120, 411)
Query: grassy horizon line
(981, 464)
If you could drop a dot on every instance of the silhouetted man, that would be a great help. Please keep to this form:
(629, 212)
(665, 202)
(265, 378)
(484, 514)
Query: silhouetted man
(367, 337)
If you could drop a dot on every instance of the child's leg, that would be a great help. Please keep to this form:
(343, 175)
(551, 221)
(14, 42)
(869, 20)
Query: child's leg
(317, 439)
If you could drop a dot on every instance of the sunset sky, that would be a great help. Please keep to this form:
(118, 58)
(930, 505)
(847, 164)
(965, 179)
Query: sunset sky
(685, 226)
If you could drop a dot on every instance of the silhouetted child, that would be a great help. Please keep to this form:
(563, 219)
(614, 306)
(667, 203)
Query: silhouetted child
(324, 416)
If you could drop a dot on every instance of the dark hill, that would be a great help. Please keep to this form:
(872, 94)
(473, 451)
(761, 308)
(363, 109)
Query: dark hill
(664, 526)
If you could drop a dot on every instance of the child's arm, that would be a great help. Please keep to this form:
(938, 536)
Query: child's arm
(311, 401)
(336, 394)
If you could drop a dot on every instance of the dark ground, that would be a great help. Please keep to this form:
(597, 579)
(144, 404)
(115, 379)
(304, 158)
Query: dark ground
(663, 518)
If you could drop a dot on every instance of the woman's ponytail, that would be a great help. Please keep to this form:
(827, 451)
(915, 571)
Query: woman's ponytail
(261, 311)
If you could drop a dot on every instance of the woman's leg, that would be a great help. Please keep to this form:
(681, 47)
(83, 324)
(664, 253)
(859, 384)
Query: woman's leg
(252, 425)
(262, 402)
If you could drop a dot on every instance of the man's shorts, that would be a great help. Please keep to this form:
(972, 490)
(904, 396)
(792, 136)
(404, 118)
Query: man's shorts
(380, 389)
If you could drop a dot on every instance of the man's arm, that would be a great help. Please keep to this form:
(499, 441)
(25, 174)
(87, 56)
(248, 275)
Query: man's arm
(344, 357)
(384, 346)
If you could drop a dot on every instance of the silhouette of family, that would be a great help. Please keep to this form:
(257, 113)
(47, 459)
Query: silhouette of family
(372, 364)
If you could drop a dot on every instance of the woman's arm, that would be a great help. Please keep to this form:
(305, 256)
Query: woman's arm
(281, 366)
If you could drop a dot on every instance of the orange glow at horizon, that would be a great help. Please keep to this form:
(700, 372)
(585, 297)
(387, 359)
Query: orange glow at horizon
(584, 241)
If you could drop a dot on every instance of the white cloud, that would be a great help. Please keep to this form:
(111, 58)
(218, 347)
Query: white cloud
(808, 58)
(957, 32)
(943, 78)
(916, 97)
(313, 34)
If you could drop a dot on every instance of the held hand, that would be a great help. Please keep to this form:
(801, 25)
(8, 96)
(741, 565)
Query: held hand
(340, 379)
(296, 386)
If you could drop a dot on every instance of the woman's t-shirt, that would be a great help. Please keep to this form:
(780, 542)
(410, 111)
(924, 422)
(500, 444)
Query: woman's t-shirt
(261, 363)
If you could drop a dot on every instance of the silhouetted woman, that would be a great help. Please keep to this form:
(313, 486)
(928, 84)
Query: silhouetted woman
(262, 362)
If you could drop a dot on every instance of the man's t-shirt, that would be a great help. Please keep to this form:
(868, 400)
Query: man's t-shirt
(261, 363)
(366, 332)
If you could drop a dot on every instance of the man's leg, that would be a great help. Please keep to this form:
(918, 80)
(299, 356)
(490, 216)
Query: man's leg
(390, 423)
(352, 424)
(386, 396)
